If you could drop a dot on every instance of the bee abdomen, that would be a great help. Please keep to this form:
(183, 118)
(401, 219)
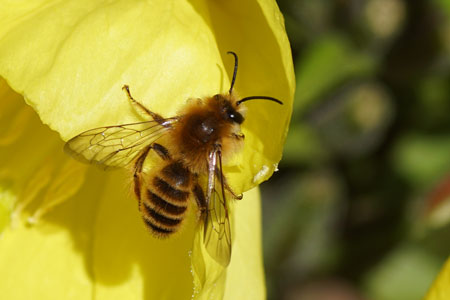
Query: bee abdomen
(155, 229)
(171, 193)
(165, 201)
(177, 174)
(159, 203)
(160, 216)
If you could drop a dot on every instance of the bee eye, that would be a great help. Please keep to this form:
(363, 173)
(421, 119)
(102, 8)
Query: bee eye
(238, 118)
(235, 116)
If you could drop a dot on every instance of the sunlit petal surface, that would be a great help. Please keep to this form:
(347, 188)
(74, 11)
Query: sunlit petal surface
(72, 232)
(71, 58)
(440, 289)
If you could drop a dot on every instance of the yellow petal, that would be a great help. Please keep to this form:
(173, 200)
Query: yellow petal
(440, 290)
(71, 60)
(45, 261)
(27, 155)
(7, 200)
(244, 277)
(245, 274)
(32, 258)
(92, 246)
(127, 262)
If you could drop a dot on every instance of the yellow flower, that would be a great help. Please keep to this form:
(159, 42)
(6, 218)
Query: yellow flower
(440, 290)
(69, 60)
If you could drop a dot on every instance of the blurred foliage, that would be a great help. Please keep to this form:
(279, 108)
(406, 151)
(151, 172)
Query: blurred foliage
(360, 208)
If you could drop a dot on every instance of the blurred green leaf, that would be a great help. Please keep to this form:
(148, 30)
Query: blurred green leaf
(444, 5)
(405, 274)
(303, 146)
(299, 236)
(422, 159)
(434, 104)
(325, 64)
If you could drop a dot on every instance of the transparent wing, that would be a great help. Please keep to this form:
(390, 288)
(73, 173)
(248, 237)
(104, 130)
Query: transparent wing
(116, 146)
(217, 229)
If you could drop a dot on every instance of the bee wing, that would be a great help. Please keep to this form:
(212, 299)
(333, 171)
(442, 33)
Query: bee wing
(217, 228)
(116, 146)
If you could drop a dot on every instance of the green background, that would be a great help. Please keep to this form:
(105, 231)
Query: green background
(357, 209)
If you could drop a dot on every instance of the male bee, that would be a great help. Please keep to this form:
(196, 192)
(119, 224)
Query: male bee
(191, 147)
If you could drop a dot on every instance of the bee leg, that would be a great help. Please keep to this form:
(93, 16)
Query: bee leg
(138, 171)
(239, 136)
(141, 107)
(199, 196)
(226, 186)
(161, 151)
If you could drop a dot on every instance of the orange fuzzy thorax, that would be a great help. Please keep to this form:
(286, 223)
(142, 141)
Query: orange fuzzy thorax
(203, 124)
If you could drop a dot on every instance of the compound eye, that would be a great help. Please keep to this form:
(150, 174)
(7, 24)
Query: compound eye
(236, 117)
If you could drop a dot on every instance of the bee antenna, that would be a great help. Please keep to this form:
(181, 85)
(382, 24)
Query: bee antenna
(235, 70)
(259, 97)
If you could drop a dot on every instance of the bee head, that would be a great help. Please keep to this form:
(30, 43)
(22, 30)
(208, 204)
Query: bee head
(231, 114)
(228, 111)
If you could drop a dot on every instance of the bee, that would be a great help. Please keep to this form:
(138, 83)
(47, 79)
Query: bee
(191, 148)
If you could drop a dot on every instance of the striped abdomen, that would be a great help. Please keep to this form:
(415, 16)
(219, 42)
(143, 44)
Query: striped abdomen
(164, 201)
